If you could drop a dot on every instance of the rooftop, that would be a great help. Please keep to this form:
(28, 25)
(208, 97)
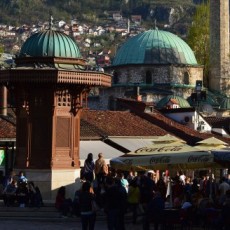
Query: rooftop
(155, 47)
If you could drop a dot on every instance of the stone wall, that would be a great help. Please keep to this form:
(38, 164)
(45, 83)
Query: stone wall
(181, 78)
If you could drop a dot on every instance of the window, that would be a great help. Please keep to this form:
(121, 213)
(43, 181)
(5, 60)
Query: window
(186, 78)
(148, 78)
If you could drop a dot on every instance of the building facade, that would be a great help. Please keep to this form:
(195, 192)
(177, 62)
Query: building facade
(156, 62)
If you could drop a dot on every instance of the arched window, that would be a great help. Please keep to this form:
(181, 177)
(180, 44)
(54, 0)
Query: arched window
(148, 78)
(115, 77)
(186, 78)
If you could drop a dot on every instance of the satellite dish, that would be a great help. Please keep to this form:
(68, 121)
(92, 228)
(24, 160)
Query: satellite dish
(186, 119)
(207, 109)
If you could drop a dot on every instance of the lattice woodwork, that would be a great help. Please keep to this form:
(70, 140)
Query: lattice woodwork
(63, 99)
(63, 132)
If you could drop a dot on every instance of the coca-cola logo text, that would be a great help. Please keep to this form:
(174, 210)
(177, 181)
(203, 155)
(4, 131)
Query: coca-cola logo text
(201, 158)
(128, 161)
(160, 160)
(161, 149)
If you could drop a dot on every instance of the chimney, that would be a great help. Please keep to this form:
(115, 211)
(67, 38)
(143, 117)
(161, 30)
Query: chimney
(139, 97)
(3, 101)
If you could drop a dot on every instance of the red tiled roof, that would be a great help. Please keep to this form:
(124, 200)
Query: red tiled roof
(120, 123)
(219, 122)
(174, 101)
(7, 129)
(90, 131)
(98, 124)
(184, 132)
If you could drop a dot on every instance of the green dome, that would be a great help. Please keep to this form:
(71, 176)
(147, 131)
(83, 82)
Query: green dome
(183, 103)
(50, 43)
(210, 100)
(155, 47)
(225, 103)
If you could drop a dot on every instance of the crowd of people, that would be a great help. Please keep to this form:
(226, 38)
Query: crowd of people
(148, 195)
(151, 197)
(17, 191)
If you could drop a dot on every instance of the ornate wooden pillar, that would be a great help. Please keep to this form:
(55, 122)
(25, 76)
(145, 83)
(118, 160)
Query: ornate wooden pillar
(49, 101)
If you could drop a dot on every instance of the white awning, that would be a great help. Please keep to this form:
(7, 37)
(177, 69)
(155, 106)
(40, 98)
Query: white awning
(133, 143)
(96, 147)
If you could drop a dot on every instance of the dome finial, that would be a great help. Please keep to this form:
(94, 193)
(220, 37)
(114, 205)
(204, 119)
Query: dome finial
(51, 21)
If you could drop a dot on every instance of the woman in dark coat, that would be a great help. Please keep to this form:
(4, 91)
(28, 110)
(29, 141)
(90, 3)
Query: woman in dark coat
(88, 170)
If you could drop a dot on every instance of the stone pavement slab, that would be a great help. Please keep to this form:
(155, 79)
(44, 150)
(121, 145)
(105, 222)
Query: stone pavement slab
(47, 225)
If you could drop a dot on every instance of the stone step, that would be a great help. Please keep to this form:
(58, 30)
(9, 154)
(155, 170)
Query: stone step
(28, 212)
(46, 212)
(28, 209)
(43, 213)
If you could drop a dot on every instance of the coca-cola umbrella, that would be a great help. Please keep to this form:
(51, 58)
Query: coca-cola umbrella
(211, 143)
(173, 155)
(222, 157)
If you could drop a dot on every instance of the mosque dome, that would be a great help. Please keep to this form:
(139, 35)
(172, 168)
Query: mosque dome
(50, 43)
(155, 47)
(183, 103)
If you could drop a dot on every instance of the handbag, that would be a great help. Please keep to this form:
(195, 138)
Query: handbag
(95, 206)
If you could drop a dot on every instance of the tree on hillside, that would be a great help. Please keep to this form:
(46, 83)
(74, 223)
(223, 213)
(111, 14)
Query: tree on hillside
(1, 49)
(199, 37)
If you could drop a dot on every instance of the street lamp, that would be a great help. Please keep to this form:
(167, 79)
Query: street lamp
(198, 96)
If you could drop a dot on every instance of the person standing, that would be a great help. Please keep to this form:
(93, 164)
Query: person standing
(154, 212)
(89, 168)
(133, 199)
(101, 169)
(115, 204)
(86, 199)
(223, 188)
(124, 182)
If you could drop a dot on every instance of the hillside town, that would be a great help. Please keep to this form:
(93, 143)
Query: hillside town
(95, 50)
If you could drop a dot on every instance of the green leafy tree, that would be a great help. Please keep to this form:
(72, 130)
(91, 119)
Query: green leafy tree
(1, 49)
(199, 37)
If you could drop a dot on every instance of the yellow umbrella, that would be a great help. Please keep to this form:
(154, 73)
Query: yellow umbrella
(211, 143)
(166, 139)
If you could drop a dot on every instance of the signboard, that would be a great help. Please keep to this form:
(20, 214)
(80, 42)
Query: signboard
(2, 157)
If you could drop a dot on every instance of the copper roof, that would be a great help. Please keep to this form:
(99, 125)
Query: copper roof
(50, 43)
(155, 47)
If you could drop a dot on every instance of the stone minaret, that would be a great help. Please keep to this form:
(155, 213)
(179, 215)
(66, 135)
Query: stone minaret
(219, 78)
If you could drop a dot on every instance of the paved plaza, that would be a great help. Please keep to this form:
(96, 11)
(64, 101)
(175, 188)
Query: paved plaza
(48, 225)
